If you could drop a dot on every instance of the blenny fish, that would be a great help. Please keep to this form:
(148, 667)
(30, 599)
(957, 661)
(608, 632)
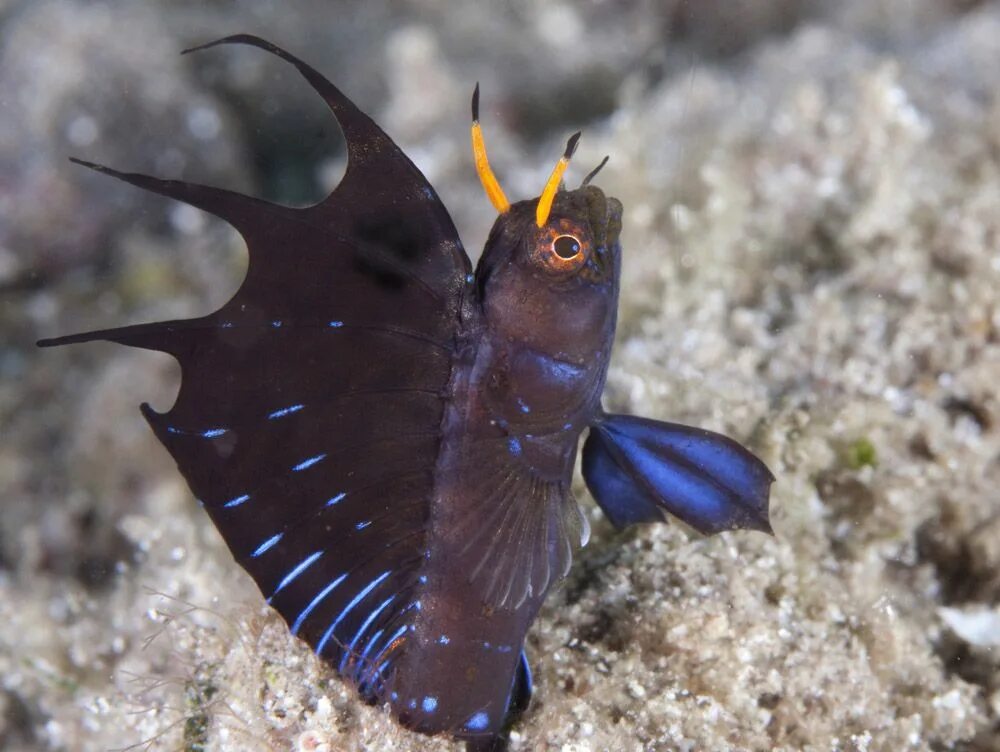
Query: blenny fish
(385, 438)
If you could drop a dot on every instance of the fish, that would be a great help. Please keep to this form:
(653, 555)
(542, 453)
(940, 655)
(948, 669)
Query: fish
(385, 437)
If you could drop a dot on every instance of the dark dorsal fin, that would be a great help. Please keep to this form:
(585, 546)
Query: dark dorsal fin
(309, 415)
(363, 136)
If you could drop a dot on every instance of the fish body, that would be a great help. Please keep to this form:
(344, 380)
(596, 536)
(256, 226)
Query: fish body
(504, 522)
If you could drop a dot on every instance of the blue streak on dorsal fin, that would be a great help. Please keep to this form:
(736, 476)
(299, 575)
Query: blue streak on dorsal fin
(637, 469)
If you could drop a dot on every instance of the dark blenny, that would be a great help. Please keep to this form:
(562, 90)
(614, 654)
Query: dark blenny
(386, 439)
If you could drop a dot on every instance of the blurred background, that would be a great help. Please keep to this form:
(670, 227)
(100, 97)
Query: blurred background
(812, 265)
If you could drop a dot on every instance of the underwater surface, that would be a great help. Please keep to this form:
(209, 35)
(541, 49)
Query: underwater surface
(811, 265)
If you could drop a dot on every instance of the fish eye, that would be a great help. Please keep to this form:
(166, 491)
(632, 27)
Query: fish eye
(561, 248)
(566, 247)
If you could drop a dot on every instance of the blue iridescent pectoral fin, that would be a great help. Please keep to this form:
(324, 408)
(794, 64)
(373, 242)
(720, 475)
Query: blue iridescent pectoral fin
(638, 469)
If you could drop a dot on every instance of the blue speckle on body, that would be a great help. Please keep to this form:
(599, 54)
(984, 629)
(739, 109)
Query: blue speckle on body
(208, 433)
(299, 569)
(315, 602)
(284, 411)
(388, 644)
(478, 722)
(309, 462)
(348, 608)
(336, 324)
(266, 545)
(362, 525)
(368, 646)
(444, 639)
(335, 499)
(350, 651)
(429, 704)
(514, 446)
(275, 323)
(560, 370)
(237, 501)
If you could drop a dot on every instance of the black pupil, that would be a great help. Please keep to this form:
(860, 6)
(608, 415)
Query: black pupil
(566, 246)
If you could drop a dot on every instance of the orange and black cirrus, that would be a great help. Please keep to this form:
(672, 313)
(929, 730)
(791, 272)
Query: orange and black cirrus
(385, 438)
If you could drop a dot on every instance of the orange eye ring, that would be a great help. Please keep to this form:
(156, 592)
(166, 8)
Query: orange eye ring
(561, 248)
(567, 247)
